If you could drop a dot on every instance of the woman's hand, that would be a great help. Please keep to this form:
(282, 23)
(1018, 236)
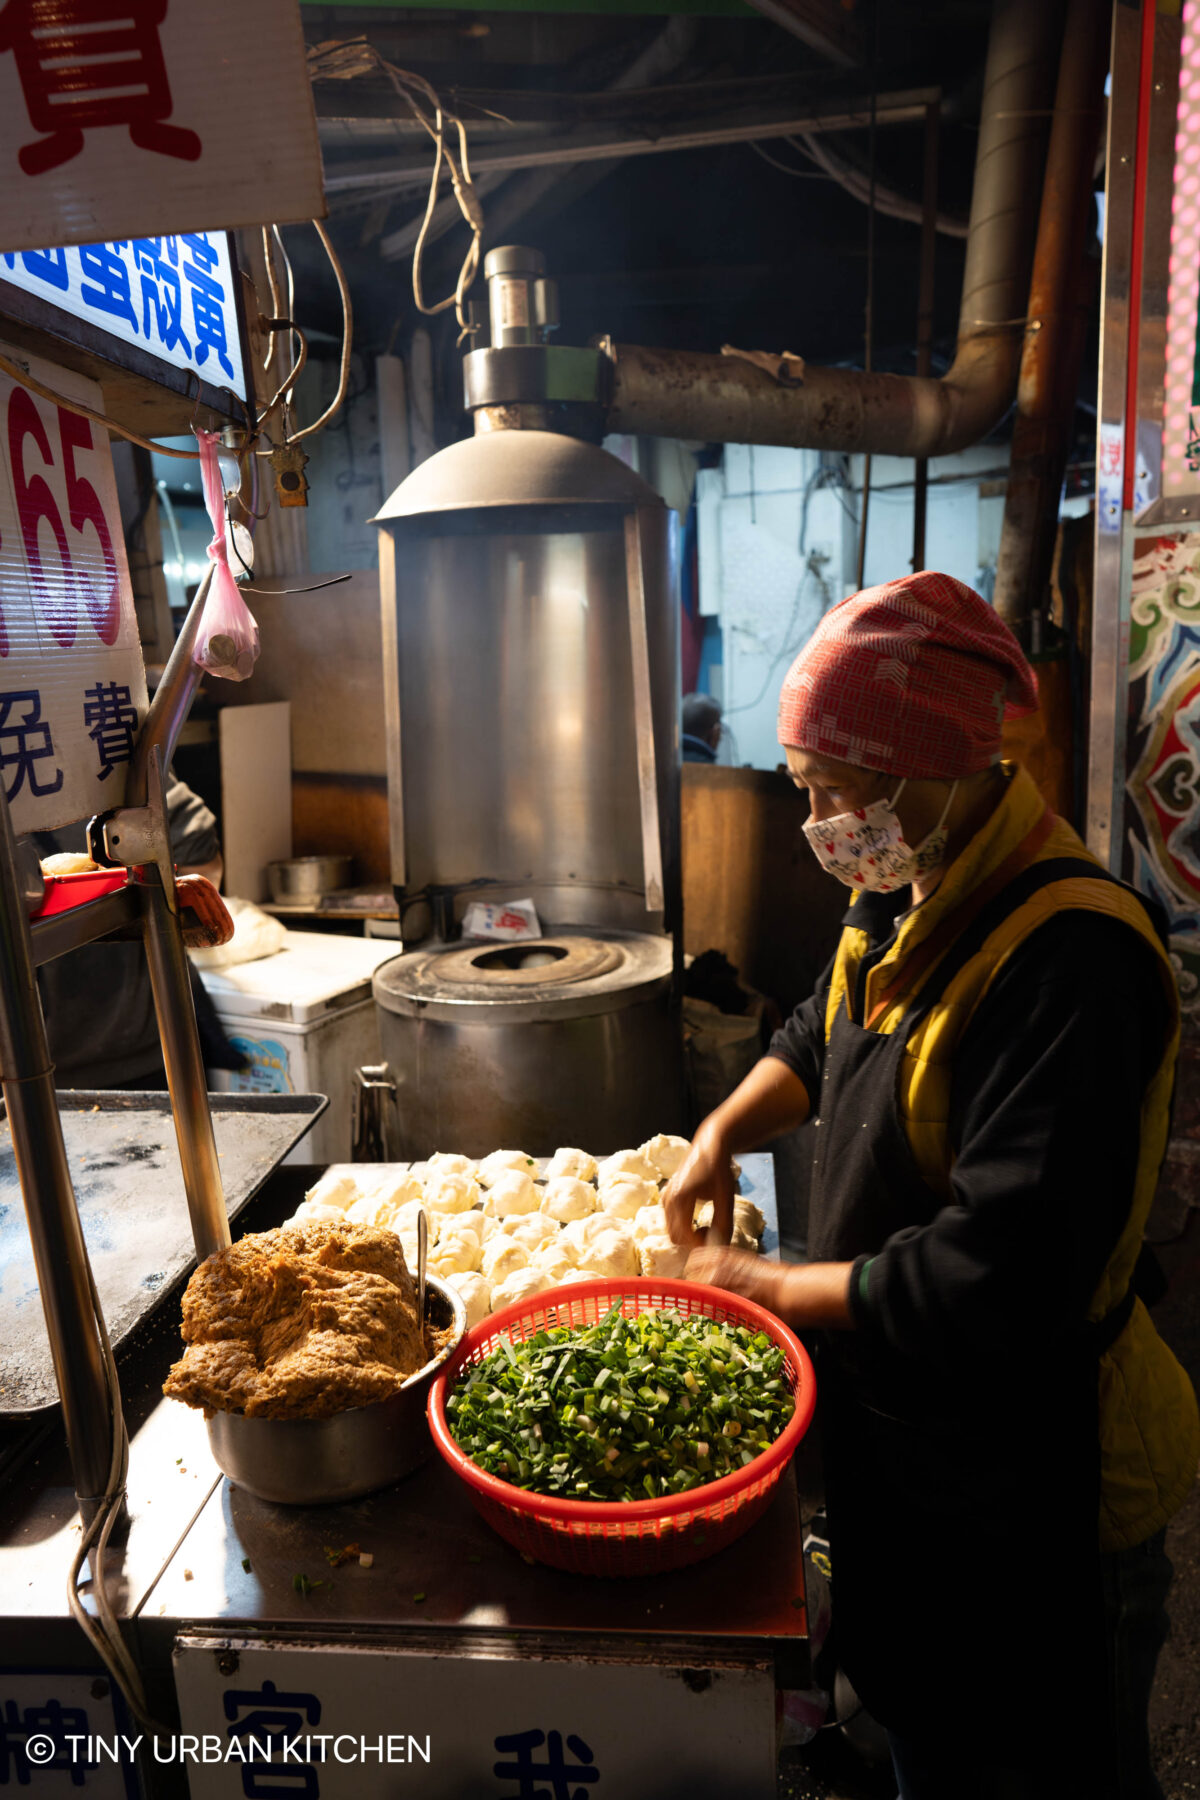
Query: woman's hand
(805, 1295)
(707, 1174)
(738, 1271)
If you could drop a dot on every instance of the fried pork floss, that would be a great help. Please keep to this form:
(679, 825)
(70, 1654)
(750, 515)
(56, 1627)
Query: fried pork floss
(299, 1323)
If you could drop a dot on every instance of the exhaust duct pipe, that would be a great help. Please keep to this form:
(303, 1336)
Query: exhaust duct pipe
(668, 393)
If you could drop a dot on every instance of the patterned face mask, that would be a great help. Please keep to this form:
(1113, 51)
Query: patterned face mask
(868, 849)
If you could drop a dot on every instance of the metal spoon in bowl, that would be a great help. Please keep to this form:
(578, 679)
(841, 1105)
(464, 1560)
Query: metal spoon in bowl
(422, 1250)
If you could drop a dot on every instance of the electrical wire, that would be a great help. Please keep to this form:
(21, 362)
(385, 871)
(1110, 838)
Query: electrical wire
(785, 169)
(35, 386)
(339, 275)
(291, 281)
(284, 392)
(811, 567)
(338, 60)
(276, 297)
(887, 200)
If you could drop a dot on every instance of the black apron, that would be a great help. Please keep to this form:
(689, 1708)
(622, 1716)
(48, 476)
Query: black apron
(963, 1502)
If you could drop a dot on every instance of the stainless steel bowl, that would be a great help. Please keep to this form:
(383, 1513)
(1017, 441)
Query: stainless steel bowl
(303, 878)
(317, 1462)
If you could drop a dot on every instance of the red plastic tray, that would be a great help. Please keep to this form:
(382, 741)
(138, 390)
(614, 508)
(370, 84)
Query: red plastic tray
(66, 891)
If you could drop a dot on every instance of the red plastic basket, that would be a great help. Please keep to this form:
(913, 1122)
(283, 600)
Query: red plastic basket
(633, 1537)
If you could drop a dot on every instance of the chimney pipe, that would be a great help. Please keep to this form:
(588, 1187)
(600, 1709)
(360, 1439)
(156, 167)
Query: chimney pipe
(667, 393)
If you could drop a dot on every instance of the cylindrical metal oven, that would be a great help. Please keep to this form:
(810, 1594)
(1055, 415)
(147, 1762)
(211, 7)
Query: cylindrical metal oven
(530, 640)
(531, 679)
(572, 1040)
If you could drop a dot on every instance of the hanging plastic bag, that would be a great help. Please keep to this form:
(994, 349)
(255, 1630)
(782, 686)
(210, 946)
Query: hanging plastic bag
(227, 641)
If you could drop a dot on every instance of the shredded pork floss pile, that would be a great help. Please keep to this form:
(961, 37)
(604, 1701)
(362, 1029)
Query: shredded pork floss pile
(299, 1323)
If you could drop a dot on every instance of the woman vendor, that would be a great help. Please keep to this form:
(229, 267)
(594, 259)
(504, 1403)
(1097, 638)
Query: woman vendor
(988, 1061)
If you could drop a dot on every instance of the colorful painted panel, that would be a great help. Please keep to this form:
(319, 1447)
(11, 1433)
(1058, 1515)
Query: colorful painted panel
(1163, 817)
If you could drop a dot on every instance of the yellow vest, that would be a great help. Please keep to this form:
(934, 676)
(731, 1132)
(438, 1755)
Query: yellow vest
(1149, 1424)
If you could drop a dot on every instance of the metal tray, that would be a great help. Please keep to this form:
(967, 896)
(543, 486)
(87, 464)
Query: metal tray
(129, 1190)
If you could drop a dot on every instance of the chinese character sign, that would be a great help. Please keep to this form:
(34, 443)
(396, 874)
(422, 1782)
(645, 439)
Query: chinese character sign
(72, 685)
(171, 296)
(138, 116)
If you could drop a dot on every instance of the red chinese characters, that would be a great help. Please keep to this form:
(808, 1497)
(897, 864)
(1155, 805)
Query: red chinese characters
(89, 63)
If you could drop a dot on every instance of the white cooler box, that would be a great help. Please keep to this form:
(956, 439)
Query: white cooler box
(306, 1020)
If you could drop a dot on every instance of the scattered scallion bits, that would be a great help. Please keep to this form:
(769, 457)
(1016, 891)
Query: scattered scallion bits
(612, 1411)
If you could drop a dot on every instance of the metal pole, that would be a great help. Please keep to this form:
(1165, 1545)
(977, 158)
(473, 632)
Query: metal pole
(171, 704)
(1044, 426)
(1114, 541)
(59, 1252)
(184, 1064)
(925, 295)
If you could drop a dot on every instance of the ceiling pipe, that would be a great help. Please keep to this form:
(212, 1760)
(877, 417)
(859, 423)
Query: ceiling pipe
(667, 393)
(1054, 338)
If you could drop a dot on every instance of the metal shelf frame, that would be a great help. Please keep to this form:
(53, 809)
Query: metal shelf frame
(137, 837)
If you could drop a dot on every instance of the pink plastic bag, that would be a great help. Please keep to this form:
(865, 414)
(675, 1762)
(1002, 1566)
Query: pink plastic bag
(227, 641)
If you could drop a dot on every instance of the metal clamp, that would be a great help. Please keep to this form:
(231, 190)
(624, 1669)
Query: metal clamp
(137, 837)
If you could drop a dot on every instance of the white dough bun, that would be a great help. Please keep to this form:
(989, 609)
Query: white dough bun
(576, 1163)
(625, 1162)
(476, 1295)
(512, 1192)
(504, 1162)
(568, 1197)
(626, 1195)
(665, 1154)
(502, 1256)
(451, 1193)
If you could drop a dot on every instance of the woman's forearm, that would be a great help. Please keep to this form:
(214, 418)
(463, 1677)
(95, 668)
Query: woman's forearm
(807, 1296)
(771, 1100)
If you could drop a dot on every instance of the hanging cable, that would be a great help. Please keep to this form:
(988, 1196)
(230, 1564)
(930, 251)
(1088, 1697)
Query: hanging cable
(273, 285)
(291, 280)
(86, 412)
(786, 169)
(339, 276)
(337, 60)
(283, 394)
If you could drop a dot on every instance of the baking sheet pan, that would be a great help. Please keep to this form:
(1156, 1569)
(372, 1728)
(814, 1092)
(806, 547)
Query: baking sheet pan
(129, 1190)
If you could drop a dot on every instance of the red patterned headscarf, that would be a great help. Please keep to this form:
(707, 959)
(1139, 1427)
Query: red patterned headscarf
(912, 678)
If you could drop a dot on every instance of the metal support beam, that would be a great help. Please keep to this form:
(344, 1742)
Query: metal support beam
(59, 1251)
(1114, 533)
(410, 169)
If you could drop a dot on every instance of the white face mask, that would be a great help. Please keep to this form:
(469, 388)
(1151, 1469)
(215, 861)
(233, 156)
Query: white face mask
(868, 849)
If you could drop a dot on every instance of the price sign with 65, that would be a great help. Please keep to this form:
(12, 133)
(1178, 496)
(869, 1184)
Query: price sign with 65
(72, 685)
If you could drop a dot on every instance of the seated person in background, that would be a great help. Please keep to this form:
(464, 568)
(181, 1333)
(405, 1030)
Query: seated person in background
(97, 1001)
(701, 728)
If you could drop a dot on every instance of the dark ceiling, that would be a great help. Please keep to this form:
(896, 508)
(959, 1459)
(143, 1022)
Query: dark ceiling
(749, 243)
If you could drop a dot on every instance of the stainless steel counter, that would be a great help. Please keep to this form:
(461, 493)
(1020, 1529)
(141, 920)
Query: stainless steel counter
(207, 1577)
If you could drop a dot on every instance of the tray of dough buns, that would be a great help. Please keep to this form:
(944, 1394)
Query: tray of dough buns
(505, 1226)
